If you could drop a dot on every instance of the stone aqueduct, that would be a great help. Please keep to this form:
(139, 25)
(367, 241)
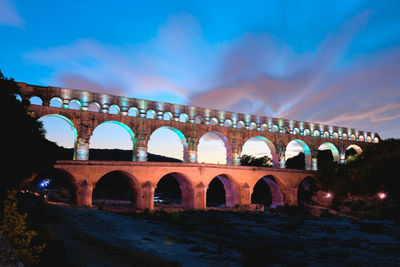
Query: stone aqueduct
(84, 111)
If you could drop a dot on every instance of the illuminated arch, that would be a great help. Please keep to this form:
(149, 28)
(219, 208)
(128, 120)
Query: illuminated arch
(168, 116)
(231, 190)
(183, 117)
(186, 187)
(306, 151)
(75, 104)
(226, 143)
(332, 148)
(306, 132)
(56, 102)
(227, 123)
(356, 148)
(270, 145)
(181, 136)
(114, 109)
(274, 189)
(133, 112)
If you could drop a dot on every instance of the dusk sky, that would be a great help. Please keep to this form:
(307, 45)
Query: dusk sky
(332, 62)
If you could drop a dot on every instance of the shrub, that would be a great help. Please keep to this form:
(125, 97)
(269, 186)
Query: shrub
(13, 228)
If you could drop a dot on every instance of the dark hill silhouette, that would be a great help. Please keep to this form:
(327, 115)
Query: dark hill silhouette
(112, 154)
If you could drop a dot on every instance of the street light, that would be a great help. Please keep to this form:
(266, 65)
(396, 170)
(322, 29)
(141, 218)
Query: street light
(382, 195)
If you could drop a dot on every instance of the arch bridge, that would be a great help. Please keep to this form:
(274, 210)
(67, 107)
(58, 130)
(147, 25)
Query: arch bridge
(84, 111)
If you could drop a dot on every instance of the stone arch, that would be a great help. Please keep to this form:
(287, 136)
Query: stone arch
(94, 107)
(151, 114)
(240, 125)
(224, 139)
(270, 145)
(133, 112)
(186, 187)
(345, 137)
(306, 132)
(356, 148)
(56, 102)
(296, 131)
(183, 117)
(198, 120)
(181, 136)
(227, 123)
(58, 179)
(306, 151)
(126, 128)
(230, 190)
(285, 129)
(274, 128)
(36, 100)
(369, 139)
(115, 185)
(70, 123)
(316, 133)
(253, 126)
(361, 138)
(75, 104)
(168, 116)
(264, 127)
(214, 121)
(326, 134)
(376, 140)
(335, 135)
(265, 188)
(353, 137)
(332, 148)
(114, 109)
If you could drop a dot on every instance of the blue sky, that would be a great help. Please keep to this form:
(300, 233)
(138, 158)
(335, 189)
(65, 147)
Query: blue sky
(336, 62)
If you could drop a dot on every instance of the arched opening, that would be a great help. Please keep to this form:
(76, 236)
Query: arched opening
(345, 137)
(274, 128)
(228, 123)
(183, 118)
(167, 144)
(198, 120)
(214, 121)
(316, 133)
(352, 151)
(151, 114)
(240, 125)
(253, 126)
(306, 132)
(267, 192)
(259, 147)
(116, 188)
(376, 140)
(133, 112)
(264, 127)
(335, 135)
(361, 138)
(112, 140)
(214, 148)
(298, 155)
(306, 190)
(327, 152)
(114, 109)
(56, 185)
(74, 104)
(56, 102)
(222, 192)
(60, 130)
(174, 189)
(35, 100)
(94, 107)
(296, 131)
(168, 116)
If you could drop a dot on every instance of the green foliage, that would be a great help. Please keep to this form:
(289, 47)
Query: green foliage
(27, 150)
(13, 228)
(377, 168)
(247, 160)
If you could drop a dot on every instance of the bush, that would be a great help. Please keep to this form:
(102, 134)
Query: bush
(13, 228)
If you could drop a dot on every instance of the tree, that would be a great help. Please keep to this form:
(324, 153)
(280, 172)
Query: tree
(13, 228)
(247, 160)
(298, 162)
(25, 148)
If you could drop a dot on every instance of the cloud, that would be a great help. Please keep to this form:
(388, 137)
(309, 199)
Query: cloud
(9, 15)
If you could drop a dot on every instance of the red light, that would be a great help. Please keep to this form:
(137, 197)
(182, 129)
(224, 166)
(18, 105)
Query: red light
(382, 195)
